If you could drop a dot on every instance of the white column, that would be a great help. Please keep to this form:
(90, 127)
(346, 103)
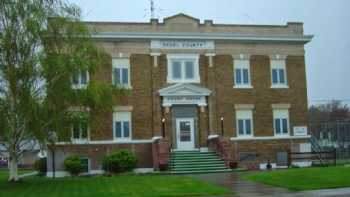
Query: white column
(155, 59)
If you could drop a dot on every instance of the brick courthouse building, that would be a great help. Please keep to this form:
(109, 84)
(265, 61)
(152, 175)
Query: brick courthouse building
(243, 86)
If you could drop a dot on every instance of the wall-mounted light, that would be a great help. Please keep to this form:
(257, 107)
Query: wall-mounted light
(163, 127)
(222, 125)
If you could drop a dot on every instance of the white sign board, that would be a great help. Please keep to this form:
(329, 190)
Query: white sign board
(300, 131)
(182, 44)
(174, 100)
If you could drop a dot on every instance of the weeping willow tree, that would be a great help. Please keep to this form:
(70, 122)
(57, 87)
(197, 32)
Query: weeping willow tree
(43, 45)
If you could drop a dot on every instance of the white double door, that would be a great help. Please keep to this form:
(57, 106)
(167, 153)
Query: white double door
(185, 133)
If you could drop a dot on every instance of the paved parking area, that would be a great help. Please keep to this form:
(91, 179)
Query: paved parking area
(244, 188)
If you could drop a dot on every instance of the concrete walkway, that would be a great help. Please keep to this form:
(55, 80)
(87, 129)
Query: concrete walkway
(28, 174)
(243, 188)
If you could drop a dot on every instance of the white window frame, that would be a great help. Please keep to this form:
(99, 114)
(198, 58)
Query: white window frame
(123, 116)
(241, 64)
(121, 63)
(281, 113)
(183, 58)
(244, 114)
(279, 64)
(89, 164)
(80, 139)
(80, 85)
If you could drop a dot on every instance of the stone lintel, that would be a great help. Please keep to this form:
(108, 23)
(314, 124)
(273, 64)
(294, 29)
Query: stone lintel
(280, 106)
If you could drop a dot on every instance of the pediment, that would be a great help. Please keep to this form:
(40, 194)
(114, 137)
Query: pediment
(184, 89)
(181, 19)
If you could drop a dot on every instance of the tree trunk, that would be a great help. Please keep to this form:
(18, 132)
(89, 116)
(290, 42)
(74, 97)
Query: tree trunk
(13, 176)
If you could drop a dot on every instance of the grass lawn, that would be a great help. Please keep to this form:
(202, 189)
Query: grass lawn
(123, 185)
(305, 178)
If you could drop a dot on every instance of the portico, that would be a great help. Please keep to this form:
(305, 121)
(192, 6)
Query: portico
(185, 108)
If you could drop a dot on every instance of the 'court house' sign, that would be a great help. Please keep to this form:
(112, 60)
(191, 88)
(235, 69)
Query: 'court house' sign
(182, 44)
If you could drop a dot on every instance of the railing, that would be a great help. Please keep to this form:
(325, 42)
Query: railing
(221, 146)
(316, 148)
(328, 157)
(332, 134)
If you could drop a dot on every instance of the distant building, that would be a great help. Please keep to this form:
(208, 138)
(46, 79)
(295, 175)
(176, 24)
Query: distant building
(28, 158)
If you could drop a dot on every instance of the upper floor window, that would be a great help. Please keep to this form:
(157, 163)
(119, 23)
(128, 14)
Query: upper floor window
(281, 121)
(244, 122)
(122, 125)
(242, 73)
(183, 68)
(80, 79)
(278, 74)
(80, 131)
(121, 72)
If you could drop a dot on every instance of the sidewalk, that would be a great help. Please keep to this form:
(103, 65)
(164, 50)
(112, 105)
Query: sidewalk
(244, 188)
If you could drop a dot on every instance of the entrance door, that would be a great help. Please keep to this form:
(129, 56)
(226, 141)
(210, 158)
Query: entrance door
(185, 133)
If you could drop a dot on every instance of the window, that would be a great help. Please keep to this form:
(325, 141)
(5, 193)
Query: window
(244, 122)
(86, 164)
(247, 156)
(281, 121)
(183, 68)
(242, 74)
(80, 131)
(121, 72)
(122, 125)
(278, 74)
(80, 79)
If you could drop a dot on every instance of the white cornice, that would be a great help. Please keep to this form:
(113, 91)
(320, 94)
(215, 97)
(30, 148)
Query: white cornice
(204, 36)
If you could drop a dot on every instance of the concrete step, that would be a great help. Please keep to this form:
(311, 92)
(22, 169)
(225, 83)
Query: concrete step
(191, 154)
(198, 166)
(200, 171)
(194, 156)
(199, 163)
(189, 160)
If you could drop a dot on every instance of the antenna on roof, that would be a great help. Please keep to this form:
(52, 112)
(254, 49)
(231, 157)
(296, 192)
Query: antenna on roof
(151, 8)
(152, 11)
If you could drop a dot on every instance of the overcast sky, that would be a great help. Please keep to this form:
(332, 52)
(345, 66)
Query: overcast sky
(327, 55)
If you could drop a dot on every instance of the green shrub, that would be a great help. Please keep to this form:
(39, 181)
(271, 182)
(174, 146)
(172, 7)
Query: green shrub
(73, 165)
(319, 165)
(294, 166)
(120, 161)
(40, 166)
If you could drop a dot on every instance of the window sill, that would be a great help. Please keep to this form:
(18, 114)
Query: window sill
(243, 87)
(245, 137)
(183, 80)
(122, 139)
(129, 87)
(282, 135)
(80, 141)
(275, 137)
(80, 86)
(280, 86)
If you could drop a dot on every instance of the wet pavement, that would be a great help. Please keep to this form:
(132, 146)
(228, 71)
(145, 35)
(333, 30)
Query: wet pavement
(245, 188)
